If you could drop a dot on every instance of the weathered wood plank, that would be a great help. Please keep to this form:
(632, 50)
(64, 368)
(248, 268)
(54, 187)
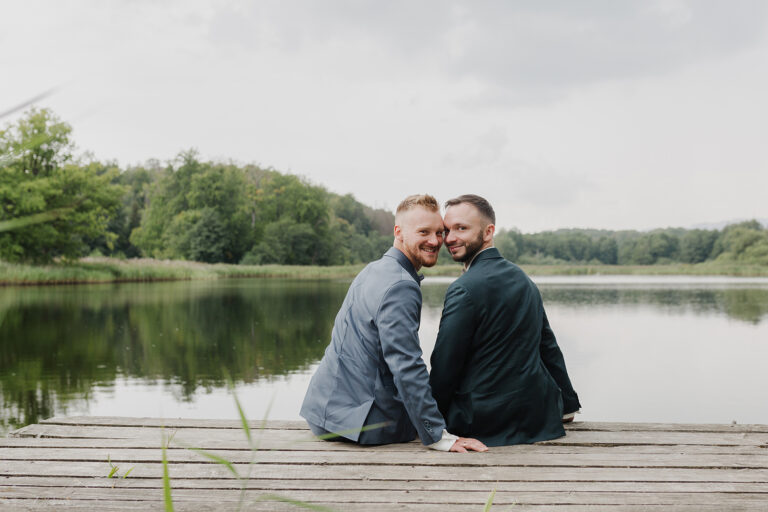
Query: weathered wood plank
(364, 497)
(194, 436)
(423, 458)
(401, 473)
(665, 427)
(596, 467)
(274, 484)
(213, 443)
(119, 421)
(301, 425)
(79, 505)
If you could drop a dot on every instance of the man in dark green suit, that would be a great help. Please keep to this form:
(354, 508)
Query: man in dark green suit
(498, 374)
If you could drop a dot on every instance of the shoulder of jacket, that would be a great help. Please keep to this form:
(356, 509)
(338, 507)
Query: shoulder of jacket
(403, 282)
(391, 277)
(460, 287)
(400, 290)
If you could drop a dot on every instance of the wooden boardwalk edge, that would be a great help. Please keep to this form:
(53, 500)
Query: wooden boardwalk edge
(65, 462)
(116, 421)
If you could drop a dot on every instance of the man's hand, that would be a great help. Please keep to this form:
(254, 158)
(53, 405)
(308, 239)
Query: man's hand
(463, 444)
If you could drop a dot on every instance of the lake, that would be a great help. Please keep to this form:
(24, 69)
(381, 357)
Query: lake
(638, 348)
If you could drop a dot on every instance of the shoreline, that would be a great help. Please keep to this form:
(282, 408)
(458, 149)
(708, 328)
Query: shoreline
(107, 270)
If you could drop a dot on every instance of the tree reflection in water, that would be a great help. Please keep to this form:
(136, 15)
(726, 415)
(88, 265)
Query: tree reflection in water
(57, 343)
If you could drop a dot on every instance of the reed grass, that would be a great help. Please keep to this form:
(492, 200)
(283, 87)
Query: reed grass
(108, 270)
(674, 269)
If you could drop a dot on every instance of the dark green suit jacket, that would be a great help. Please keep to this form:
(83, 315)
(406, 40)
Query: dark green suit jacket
(497, 372)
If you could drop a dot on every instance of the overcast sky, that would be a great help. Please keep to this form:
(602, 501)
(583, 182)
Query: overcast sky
(605, 114)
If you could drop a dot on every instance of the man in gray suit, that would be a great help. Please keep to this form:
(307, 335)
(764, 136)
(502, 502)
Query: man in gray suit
(372, 386)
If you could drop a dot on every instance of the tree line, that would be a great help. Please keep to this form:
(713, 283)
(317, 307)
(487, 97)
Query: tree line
(187, 209)
(739, 243)
(223, 212)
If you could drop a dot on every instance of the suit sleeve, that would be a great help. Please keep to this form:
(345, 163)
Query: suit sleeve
(555, 364)
(457, 328)
(398, 323)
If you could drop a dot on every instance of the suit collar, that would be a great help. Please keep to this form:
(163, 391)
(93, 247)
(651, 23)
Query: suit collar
(402, 259)
(485, 254)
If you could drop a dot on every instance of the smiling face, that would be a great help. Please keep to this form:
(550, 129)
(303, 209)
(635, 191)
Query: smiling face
(467, 232)
(419, 234)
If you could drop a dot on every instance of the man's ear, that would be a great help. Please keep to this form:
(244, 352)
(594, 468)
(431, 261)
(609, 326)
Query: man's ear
(398, 233)
(490, 229)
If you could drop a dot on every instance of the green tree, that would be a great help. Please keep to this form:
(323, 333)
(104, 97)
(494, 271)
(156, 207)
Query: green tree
(746, 242)
(38, 175)
(696, 245)
(606, 250)
(649, 248)
(287, 242)
(285, 201)
(506, 242)
(347, 208)
(195, 205)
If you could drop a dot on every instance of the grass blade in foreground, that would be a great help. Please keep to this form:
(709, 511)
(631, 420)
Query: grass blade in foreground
(30, 101)
(489, 503)
(302, 504)
(20, 222)
(166, 477)
(215, 458)
(243, 419)
(340, 433)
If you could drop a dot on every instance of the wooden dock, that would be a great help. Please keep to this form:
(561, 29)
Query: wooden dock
(65, 463)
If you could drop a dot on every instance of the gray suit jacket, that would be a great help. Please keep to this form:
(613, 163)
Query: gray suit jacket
(372, 371)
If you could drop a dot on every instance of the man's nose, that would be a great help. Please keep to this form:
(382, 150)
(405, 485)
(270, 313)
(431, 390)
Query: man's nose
(449, 238)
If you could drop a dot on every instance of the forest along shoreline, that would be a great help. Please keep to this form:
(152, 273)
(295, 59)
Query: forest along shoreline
(112, 270)
(73, 219)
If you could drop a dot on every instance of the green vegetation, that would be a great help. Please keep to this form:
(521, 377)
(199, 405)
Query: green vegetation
(594, 269)
(56, 209)
(106, 270)
(109, 270)
(39, 176)
(742, 244)
(187, 210)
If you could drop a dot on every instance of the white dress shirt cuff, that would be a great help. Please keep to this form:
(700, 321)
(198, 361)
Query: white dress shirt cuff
(571, 415)
(444, 444)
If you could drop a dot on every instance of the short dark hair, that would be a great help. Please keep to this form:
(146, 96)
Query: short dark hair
(483, 206)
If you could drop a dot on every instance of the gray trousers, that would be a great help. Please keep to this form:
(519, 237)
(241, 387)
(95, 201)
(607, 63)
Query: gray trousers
(393, 432)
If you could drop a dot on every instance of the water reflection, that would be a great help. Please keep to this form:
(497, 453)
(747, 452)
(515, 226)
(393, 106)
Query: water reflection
(638, 350)
(746, 300)
(745, 304)
(58, 343)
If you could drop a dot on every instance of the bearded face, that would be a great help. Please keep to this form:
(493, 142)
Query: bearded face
(419, 234)
(464, 251)
(466, 232)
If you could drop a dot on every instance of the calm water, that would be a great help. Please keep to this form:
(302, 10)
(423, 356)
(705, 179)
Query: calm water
(637, 348)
